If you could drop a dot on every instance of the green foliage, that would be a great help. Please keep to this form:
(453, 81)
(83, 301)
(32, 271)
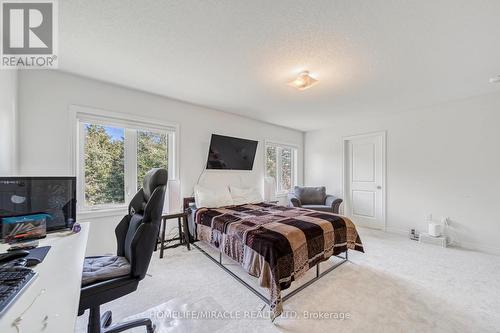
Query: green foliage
(271, 162)
(285, 171)
(104, 167)
(152, 152)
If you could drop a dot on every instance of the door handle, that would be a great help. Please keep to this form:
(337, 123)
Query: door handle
(379, 187)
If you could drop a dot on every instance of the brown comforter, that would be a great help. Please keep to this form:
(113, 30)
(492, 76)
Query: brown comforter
(274, 243)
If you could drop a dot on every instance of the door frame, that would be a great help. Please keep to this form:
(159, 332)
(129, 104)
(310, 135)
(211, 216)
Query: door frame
(345, 181)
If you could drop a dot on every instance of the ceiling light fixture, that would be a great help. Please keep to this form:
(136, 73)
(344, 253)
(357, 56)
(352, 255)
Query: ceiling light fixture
(303, 81)
(495, 79)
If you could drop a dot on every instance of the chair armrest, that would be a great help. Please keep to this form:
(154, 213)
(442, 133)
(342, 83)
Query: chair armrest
(333, 202)
(293, 201)
(121, 233)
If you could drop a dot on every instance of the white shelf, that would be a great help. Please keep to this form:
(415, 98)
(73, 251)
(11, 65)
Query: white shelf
(428, 239)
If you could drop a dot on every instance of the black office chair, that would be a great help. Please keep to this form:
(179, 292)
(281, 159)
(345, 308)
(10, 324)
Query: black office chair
(110, 277)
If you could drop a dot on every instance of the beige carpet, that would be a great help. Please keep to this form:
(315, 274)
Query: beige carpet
(397, 286)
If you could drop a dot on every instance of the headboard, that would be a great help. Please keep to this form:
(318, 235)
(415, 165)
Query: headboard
(223, 178)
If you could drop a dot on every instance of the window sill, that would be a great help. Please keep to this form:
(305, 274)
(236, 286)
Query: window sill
(103, 212)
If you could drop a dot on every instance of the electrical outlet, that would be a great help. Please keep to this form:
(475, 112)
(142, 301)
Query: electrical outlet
(414, 234)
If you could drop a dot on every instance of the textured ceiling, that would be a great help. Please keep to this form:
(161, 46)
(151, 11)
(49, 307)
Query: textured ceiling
(237, 56)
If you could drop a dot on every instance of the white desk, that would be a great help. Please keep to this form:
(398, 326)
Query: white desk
(55, 292)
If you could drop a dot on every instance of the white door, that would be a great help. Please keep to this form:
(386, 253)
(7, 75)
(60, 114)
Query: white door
(364, 179)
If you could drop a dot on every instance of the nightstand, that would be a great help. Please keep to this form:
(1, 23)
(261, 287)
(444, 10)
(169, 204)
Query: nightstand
(183, 237)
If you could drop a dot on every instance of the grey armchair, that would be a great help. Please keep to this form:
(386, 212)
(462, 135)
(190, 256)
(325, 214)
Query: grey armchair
(314, 198)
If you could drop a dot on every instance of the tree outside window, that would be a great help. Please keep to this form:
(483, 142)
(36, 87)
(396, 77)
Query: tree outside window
(152, 152)
(104, 165)
(281, 165)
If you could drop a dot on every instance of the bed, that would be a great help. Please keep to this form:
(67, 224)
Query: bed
(273, 243)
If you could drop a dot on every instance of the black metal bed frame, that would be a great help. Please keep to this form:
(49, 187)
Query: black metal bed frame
(318, 276)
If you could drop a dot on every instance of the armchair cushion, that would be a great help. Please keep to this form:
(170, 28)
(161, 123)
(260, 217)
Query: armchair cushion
(104, 268)
(310, 195)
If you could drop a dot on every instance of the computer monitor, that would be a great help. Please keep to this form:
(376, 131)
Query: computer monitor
(55, 196)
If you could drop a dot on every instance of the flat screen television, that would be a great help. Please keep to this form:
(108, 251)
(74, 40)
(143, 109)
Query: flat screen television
(230, 153)
(54, 196)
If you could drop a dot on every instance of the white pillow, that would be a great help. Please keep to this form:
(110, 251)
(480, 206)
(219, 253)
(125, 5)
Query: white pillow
(212, 197)
(243, 196)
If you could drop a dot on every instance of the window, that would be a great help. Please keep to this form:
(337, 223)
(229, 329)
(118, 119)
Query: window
(104, 165)
(114, 156)
(281, 164)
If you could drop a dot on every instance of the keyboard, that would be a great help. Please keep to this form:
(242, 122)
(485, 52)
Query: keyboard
(13, 281)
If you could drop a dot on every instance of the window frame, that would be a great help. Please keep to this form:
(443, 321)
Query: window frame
(131, 124)
(295, 152)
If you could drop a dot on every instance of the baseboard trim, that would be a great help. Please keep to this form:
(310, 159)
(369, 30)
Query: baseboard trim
(397, 231)
(463, 245)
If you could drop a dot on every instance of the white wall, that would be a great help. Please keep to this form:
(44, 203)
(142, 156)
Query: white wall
(443, 160)
(8, 113)
(45, 147)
